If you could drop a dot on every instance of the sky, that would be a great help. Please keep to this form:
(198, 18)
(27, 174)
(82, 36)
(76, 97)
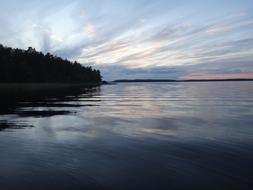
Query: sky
(138, 39)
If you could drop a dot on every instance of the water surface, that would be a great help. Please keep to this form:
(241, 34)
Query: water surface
(130, 136)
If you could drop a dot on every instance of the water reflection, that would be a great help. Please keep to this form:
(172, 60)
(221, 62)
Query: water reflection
(45, 103)
(42, 104)
(4, 125)
(130, 136)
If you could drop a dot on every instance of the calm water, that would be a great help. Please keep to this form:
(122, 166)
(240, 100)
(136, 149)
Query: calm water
(130, 136)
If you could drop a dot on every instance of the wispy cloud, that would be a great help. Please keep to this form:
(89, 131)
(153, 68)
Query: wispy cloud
(160, 39)
(90, 31)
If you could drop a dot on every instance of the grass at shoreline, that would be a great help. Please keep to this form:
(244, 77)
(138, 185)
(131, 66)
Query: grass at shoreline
(12, 88)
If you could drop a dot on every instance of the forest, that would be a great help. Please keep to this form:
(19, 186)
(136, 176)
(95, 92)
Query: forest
(31, 66)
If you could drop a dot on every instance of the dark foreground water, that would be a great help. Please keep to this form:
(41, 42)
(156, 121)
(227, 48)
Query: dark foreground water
(130, 136)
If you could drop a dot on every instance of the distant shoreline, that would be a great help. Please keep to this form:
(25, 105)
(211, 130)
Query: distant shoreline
(164, 80)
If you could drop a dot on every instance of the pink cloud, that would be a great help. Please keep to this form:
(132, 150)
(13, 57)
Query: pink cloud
(219, 76)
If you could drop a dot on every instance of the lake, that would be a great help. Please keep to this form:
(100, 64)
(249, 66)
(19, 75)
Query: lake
(195, 135)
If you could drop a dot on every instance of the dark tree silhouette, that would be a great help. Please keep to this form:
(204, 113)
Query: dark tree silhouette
(30, 66)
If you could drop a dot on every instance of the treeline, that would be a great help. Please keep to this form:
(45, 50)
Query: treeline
(30, 66)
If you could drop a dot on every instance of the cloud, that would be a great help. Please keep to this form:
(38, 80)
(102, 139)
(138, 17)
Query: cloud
(90, 31)
(116, 71)
(160, 39)
(215, 30)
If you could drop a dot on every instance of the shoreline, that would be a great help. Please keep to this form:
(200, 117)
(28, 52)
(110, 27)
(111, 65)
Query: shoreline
(178, 81)
(12, 88)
